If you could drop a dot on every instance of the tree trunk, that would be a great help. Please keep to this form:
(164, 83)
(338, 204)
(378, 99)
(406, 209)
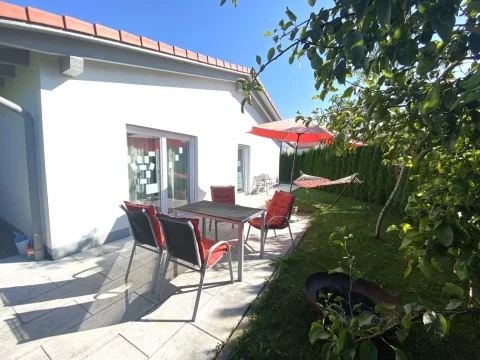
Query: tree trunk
(390, 200)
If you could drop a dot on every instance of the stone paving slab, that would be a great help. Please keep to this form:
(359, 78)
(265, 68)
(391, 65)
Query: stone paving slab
(80, 307)
(118, 348)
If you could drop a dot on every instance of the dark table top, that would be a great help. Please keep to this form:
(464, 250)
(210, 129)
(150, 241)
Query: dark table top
(219, 210)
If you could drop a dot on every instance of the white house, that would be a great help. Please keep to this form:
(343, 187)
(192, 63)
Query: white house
(116, 117)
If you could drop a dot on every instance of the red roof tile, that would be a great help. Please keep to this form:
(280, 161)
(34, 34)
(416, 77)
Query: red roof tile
(44, 17)
(11, 11)
(78, 25)
(69, 23)
(106, 32)
(165, 48)
(149, 44)
(128, 38)
(179, 51)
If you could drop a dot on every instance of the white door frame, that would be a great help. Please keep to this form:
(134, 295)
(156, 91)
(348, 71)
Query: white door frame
(246, 168)
(162, 167)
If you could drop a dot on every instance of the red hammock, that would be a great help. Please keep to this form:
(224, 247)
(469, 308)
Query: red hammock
(310, 181)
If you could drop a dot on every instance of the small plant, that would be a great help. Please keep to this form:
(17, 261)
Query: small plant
(352, 324)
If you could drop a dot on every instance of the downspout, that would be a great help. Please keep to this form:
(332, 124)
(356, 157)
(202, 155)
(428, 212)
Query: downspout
(32, 171)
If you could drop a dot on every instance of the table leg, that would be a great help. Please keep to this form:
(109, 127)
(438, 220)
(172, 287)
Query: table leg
(240, 251)
(262, 236)
(204, 224)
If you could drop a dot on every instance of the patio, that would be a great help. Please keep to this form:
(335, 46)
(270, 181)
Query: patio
(80, 307)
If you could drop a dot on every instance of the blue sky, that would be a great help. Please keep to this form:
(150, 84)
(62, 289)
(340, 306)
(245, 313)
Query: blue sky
(227, 33)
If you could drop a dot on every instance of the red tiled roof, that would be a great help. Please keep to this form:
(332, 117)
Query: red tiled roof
(68, 23)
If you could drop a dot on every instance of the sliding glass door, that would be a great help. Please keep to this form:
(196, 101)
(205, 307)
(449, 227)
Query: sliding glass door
(159, 169)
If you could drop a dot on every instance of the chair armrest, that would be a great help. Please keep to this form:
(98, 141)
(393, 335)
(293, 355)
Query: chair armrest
(276, 217)
(212, 249)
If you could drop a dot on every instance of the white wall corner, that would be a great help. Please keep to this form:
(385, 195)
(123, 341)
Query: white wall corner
(71, 66)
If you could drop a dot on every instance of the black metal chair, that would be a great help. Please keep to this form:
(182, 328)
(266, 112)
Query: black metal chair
(144, 236)
(182, 243)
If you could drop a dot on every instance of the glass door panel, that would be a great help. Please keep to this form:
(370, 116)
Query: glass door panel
(144, 170)
(240, 171)
(178, 169)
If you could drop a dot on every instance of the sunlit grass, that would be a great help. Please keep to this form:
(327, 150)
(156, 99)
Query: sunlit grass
(281, 319)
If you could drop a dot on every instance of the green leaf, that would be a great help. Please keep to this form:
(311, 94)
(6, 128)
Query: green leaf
(291, 58)
(356, 50)
(368, 351)
(406, 320)
(445, 235)
(315, 60)
(449, 98)
(317, 332)
(290, 15)
(444, 27)
(271, 53)
(242, 105)
(365, 318)
(392, 228)
(407, 53)
(435, 324)
(348, 92)
(399, 355)
(222, 2)
(347, 344)
(326, 349)
(427, 268)
(340, 71)
(384, 10)
(267, 33)
(259, 60)
(425, 65)
(453, 289)
(462, 269)
(409, 269)
(453, 304)
(312, 2)
(432, 100)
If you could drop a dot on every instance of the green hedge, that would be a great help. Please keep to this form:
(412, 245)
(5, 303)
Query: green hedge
(378, 180)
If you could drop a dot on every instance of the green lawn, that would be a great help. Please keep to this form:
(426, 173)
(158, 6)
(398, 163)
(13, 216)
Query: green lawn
(281, 319)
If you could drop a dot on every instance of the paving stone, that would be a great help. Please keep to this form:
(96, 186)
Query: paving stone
(8, 319)
(37, 354)
(154, 329)
(222, 315)
(119, 269)
(42, 304)
(24, 289)
(118, 348)
(115, 290)
(181, 346)
(87, 337)
(26, 338)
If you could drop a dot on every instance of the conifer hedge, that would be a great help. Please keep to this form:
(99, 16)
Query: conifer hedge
(378, 180)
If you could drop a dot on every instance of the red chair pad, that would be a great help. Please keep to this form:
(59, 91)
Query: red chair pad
(278, 223)
(223, 194)
(216, 254)
(151, 211)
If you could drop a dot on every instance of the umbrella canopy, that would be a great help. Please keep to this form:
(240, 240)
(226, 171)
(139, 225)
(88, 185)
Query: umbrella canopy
(353, 143)
(290, 130)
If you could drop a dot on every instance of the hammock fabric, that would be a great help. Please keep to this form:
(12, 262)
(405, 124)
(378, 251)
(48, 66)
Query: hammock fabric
(310, 181)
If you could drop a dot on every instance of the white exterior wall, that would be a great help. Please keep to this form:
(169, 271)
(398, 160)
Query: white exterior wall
(84, 125)
(24, 90)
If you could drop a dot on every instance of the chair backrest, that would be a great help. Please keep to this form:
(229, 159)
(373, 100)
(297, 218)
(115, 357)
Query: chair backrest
(141, 227)
(180, 238)
(223, 194)
(281, 204)
(261, 177)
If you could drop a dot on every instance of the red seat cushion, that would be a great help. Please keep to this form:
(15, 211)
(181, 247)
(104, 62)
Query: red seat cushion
(223, 194)
(216, 254)
(281, 205)
(151, 211)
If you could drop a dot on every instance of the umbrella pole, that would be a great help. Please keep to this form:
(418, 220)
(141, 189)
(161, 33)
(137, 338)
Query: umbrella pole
(293, 166)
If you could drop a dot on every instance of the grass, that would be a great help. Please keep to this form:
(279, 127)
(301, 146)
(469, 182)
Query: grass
(280, 320)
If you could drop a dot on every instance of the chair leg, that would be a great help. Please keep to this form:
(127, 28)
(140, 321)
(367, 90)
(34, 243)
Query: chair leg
(216, 230)
(130, 262)
(274, 233)
(266, 234)
(164, 277)
(199, 293)
(230, 265)
(248, 232)
(291, 236)
(210, 225)
(156, 272)
(233, 226)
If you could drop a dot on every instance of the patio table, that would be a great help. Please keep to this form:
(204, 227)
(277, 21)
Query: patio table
(233, 214)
